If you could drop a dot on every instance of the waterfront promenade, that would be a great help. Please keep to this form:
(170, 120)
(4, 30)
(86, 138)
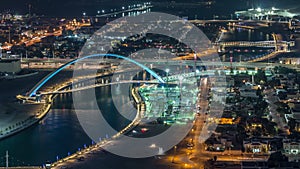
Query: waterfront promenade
(84, 153)
(14, 115)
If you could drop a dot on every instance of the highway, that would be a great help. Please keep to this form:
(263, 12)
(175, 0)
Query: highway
(38, 38)
(127, 10)
(235, 21)
(192, 56)
(98, 85)
(254, 44)
(266, 57)
(196, 157)
(170, 80)
(207, 64)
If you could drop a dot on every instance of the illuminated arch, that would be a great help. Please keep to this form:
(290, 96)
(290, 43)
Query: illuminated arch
(49, 76)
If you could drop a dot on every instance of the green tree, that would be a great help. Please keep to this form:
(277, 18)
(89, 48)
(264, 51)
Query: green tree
(275, 159)
(292, 124)
(260, 77)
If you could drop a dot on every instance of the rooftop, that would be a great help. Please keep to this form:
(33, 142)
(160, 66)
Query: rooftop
(8, 60)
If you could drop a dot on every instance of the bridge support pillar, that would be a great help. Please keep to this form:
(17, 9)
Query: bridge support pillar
(221, 48)
(224, 58)
(286, 48)
(144, 75)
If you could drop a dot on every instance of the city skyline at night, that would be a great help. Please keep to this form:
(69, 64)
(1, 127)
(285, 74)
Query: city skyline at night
(75, 8)
(177, 84)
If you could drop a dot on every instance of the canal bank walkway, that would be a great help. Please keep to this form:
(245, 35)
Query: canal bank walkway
(80, 155)
(24, 116)
(16, 117)
(22, 113)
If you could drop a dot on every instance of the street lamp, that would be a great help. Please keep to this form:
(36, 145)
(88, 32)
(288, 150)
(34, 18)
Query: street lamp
(0, 50)
(180, 88)
(258, 9)
(167, 71)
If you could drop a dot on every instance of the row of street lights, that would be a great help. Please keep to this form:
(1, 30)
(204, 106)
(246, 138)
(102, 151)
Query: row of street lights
(123, 8)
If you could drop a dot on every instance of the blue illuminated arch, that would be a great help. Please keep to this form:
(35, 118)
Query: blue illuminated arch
(48, 77)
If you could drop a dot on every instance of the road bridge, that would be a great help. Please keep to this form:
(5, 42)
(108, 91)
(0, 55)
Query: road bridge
(235, 21)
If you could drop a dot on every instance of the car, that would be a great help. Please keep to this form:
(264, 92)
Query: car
(190, 148)
(190, 145)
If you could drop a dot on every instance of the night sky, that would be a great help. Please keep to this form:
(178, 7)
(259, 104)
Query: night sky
(58, 7)
(76, 7)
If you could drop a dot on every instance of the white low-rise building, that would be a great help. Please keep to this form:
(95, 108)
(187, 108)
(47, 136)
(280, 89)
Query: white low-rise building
(291, 149)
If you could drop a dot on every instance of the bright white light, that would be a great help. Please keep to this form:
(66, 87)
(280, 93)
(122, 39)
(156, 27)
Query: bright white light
(258, 9)
(180, 78)
(167, 70)
(83, 13)
(152, 146)
(103, 11)
(123, 7)
(273, 8)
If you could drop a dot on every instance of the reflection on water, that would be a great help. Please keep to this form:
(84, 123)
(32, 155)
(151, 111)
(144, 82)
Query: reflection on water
(58, 134)
(239, 34)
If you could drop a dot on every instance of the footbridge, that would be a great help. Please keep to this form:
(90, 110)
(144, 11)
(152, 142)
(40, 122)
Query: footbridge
(40, 84)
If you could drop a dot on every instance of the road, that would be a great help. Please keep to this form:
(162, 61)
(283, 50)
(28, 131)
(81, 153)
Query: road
(196, 157)
(272, 99)
(38, 38)
(266, 57)
(45, 63)
(206, 53)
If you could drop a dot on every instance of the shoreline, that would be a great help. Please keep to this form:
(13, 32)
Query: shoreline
(99, 145)
(34, 119)
(46, 107)
(30, 121)
(10, 77)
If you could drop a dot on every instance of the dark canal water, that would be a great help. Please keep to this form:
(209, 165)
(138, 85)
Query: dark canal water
(59, 133)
